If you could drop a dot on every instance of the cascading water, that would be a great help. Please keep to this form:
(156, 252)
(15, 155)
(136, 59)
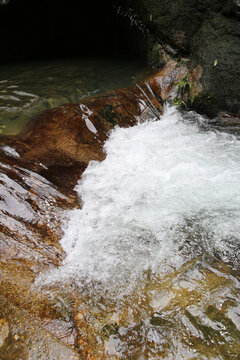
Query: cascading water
(167, 192)
(153, 254)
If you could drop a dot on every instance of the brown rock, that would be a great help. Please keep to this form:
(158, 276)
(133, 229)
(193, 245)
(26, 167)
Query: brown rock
(37, 185)
(4, 331)
(60, 142)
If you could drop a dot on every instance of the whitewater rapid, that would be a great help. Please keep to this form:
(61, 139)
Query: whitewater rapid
(168, 191)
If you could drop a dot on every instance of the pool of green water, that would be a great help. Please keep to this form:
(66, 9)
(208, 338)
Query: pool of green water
(30, 88)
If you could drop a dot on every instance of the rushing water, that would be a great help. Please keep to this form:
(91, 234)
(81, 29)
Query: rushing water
(155, 246)
(164, 186)
(152, 257)
(27, 89)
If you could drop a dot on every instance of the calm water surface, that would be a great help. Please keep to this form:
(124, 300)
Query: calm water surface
(28, 89)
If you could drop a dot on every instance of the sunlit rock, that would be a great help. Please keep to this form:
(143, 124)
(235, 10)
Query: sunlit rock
(4, 331)
(191, 312)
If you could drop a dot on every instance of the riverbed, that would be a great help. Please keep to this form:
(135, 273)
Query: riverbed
(141, 259)
(154, 251)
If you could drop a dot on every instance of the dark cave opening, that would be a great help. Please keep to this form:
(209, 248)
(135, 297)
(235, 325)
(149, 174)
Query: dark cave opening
(43, 29)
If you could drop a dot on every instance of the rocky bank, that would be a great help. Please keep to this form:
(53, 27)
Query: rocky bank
(203, 33)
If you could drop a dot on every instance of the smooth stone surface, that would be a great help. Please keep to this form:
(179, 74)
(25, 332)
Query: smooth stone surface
(28, 339)
(4, 331)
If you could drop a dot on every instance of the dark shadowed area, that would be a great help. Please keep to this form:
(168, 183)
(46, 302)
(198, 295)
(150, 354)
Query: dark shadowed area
(52, 29)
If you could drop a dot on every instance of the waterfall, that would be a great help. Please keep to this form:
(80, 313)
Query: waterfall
(168, 191)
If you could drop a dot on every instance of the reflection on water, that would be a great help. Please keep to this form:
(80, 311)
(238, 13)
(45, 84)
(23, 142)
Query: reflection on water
(26, 90)
(193, 313)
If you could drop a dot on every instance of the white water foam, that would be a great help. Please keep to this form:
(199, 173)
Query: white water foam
(167, 190)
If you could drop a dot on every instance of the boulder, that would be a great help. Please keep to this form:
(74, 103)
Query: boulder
(216, 46)
(208, 33)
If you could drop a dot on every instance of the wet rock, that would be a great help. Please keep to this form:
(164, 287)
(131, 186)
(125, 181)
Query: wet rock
(168, 78)
(36, 185)
(4, 331)
(60, 142)
(226, 121)
(208, 32)
(191, 310)
(158, 320)
(44, 164)
(28, 338)
(63, 140)
(39, 170)
(216, 46)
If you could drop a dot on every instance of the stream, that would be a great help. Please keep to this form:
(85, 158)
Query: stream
(148, 266)
(29, 88)
(155, 248)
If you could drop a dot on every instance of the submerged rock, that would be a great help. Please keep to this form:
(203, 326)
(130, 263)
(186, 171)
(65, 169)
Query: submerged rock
(60, 142)
(40, 168)
(28, 339)
(38, 172)
(4, 331)
(193, 311)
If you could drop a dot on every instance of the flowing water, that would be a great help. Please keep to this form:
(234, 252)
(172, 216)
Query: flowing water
(30, 88)
(152, 257)
(155, 249)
